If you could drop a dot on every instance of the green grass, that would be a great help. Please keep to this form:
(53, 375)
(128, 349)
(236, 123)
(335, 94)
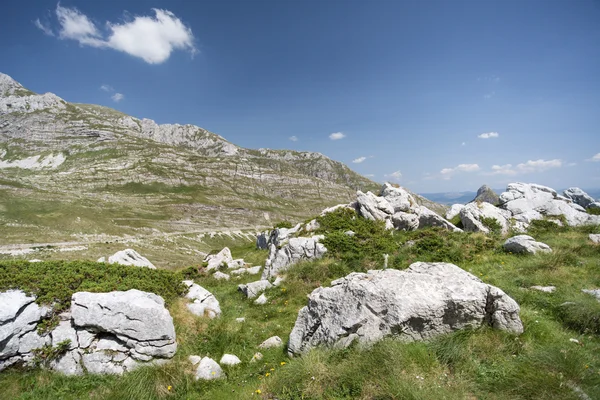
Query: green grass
(542, 363)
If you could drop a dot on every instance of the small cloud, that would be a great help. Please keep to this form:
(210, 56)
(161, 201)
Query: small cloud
(489, 135)
(595, 158)
(117, 97)
(571, 164)
(43, 28)
(394, 176)
(107, 88)
(359, 160)
(448, 172)
(337, 136)
(463, 144)
(293, 138)
(489, 95)
(526, 167)
(151, 38)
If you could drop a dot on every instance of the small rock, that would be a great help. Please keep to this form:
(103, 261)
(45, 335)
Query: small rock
(130, 257)
(574, 341)
(273, 341)
(208, 369)
(242, 319)
(220, 276)
(349, 233)
(194, 359)
(256, 357)
(525, 244)
(229, 359)
(262, 299)
(545, 289)
(279, 280)
(253, 289)
(595, 238)
(593, 292)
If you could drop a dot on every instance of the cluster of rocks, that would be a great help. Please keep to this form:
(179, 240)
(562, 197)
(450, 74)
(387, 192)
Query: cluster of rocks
(107, 333)
(224, 260)
(523, 203)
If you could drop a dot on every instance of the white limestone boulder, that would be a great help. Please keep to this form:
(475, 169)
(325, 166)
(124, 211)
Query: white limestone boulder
(221, 259)
(203, 303)
(295, 250)
(426, 300)
(454, 211)
(130, 257)
(230, 360)
(272, 342)
(253, 289)
(524, 244)
(208, 369)
(578, 196)
(473, 214)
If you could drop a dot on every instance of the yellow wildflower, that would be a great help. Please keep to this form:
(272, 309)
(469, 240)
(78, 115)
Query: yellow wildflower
(282, 363)
(267, 374)
(272, 369)
(258, 391)
(169, 388)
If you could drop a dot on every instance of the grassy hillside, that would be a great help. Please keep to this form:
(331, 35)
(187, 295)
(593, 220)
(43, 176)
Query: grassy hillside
(557, 357)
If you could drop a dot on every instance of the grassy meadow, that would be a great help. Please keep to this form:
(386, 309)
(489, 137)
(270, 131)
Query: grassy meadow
(557, 357)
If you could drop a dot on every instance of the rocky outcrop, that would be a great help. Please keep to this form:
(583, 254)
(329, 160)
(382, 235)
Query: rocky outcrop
(454, 211)
(204, 303)
(253, 289)
(528, 202)
(130, 257)
(578, 196)
(107, 333)
(399, 209)
(473, 217)
(291, 252)
(426, 300)
(222, 259)
(485, 194)
(524, 244)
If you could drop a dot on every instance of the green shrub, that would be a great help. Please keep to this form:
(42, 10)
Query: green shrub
(54, 282)
(581, 316)
(44, 355)
(594, 211)
(284, 224)
(492, 224)
(543, 226)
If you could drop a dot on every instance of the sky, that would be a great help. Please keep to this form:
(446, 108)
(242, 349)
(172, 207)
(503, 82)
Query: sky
(437, 96)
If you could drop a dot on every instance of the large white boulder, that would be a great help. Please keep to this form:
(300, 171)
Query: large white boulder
(253, 289)
(426, 300)
(130, 257)
(293, 251)
(204, 303)
(473, 214)
(373, 207)
(525, 244)
(454, 210)
(216, 261)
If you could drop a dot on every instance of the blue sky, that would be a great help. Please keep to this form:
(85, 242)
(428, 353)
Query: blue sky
(435, 95)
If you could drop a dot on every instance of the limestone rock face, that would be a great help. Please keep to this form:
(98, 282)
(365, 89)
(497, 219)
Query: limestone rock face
(525, 244)
(130, 257)
(204, 303)
(454, 211)
(279, 235)
(222, 258)
(293, 251)
(472, 215)
(426, 300)
(578, 196)
(108, 333)
(527, 202)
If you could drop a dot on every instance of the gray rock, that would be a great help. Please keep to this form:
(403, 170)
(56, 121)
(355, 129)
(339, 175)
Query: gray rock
(137, 317)
(405, 221)
(428, 218)
(204, 303)
(32, 340)
(295, 250)
(487, 195)
(312, 226)
(595, 238)
(253, 289)
(68, 364)
(242, 271)
(65, 331)
(208, 369)
(454, 211)
(273, 341)
(426, 300)
(524, 244)
(373, 207)
(594, 205)
(592, 292)
(256, 357)
(262, 299)
(194, 359)
(545, 289)
(101, 363)
(229, 359)
(278, 281)
(473, 214)
(280, 235)
(221, 259)
(221, 276)
(130, 257)
(579, 197)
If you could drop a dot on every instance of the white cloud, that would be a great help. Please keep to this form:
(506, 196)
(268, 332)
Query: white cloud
(151, 38)
(107, 88)
(117, 97)
(293, 138)
(394, 176)
(359, 160)
(463, 144)
(488, 96)
(489, 135)
(43, 28)
(526, 167)
(337, 136)
(448, 172)
(595, 158)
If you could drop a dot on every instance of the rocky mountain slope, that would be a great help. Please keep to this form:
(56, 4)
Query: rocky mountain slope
(71, 170)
